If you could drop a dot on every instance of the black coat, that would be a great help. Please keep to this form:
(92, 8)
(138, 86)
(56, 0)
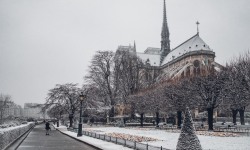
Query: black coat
(47, 127)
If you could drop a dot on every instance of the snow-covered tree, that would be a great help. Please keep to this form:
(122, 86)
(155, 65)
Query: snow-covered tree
(65, 97)
(175, 101)
(237, 86)
(95, 102)
(156, 102)
(188, 139)
(180, 94)
(209, 90)
(55, 111)
(140, 104)
(244, 69)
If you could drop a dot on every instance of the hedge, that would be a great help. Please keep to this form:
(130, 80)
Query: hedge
(9, 135)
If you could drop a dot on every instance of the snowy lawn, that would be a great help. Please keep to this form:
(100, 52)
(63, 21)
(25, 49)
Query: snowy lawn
(92, 141)
(167, 139)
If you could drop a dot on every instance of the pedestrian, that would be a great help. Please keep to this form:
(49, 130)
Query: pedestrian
(47, 127)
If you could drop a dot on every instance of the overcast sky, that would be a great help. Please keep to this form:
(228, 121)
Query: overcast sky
(49, 42)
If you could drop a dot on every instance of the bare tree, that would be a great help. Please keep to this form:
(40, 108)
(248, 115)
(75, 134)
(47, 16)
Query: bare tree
(65, 97)
(5, 102)
(100, 75)
(126, 73)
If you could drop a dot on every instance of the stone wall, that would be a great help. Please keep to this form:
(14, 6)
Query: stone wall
(8, 135)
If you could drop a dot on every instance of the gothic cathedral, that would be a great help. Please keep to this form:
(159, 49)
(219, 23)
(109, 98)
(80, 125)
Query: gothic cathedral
(191, 57)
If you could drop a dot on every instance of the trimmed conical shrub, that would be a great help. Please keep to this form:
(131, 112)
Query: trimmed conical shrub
(188, 139)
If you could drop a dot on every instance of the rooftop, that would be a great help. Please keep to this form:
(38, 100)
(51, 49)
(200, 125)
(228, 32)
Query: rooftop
(195, 43)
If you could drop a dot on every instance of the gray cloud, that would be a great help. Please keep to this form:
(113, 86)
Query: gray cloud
(46, 42)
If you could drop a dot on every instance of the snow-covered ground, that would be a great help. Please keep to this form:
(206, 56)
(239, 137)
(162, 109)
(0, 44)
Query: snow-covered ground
(169, 140)
(92, 141)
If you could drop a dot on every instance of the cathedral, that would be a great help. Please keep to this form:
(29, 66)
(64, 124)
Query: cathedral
(191, 57)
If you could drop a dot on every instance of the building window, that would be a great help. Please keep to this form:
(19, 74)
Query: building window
(196, 63)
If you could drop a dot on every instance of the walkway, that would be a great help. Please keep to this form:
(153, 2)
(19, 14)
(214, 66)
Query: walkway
(37, 140)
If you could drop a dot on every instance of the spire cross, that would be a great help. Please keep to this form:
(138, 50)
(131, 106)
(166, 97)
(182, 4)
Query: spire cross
(197, 27)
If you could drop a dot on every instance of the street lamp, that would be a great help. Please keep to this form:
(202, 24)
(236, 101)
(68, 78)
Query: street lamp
(82, 97)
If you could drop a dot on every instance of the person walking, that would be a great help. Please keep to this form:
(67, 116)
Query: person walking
(47, 127)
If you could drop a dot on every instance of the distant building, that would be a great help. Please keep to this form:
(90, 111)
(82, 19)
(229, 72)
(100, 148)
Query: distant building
(18, 111)
(32, 111)
(9, 111)
(12, 110)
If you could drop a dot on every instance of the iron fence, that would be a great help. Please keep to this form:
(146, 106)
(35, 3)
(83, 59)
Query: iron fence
(126, 143)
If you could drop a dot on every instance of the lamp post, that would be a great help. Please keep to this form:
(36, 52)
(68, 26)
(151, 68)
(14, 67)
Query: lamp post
(82, 97)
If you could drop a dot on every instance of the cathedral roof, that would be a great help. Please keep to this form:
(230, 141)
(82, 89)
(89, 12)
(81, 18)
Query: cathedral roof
(152, 50)
(195, 43)
(152, 59)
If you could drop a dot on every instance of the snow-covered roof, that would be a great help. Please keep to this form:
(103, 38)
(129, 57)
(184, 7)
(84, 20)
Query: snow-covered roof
(152, 55)
(152, 59)
(195, 43)
(152, 50)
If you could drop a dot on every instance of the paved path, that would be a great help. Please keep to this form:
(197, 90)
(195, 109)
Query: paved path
(37, 140)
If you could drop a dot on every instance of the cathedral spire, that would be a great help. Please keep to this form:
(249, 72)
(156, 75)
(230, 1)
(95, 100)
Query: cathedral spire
(165, 42)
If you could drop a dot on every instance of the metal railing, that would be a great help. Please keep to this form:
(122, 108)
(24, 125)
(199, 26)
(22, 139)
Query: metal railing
(232, 128)
(126, 143)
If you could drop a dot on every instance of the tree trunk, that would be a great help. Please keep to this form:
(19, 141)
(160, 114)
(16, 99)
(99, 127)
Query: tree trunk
(234, 112)
(132, 115)
(242, 111)
(210, 118)
(157, 119)
(71, 116)
(141, 119)
(112, 111)
(1, 121)
(107, 114)
(179, 119)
